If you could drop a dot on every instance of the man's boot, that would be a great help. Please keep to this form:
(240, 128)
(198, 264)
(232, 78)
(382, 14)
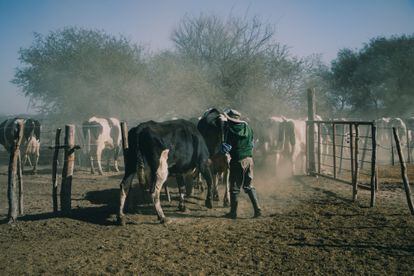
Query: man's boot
(233, 207)
(253, 198)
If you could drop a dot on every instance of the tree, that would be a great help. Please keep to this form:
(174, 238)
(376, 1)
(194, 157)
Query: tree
(241, 60)
(376, 80)
(75, 73)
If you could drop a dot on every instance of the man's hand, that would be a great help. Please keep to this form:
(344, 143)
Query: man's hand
(223, 117)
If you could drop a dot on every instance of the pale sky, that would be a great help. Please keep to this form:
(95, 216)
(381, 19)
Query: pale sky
(305, 26)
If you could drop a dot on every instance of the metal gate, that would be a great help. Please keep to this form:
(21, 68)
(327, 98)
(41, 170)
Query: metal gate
(344, 151)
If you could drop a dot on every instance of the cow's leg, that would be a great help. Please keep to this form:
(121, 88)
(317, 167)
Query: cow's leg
(303, 163)
(27, 159)
(226, 199)
(98, 158)
(167, 192)
(277, 162)
(199, 182)
(291, 159)
(181, 191)
(35, 162)
(92, 153)
(108, 164)
(116, 156)
(206, 173)
(92, 166)
(215, 187)
(189, 184)
(124, 189)
(160, 177)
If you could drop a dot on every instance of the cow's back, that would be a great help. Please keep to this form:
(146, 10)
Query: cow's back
(104, 136)
(186, 146)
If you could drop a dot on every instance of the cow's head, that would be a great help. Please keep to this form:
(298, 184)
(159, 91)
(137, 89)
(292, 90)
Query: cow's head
(212, 128)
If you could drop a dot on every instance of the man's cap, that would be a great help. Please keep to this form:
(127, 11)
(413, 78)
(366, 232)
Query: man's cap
(233, 113)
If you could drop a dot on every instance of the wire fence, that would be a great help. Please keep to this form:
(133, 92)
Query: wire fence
(47, 142)
(345, 151)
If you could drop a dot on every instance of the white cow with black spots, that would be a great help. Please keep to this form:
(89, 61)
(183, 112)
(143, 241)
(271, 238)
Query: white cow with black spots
(100, 134)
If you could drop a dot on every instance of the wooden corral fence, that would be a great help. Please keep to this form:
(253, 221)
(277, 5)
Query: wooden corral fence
(47, 140)
(15, 200)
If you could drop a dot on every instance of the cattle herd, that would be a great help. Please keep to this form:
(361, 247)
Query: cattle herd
(188, 147)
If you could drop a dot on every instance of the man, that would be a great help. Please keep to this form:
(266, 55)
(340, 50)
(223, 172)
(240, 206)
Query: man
(239, 144)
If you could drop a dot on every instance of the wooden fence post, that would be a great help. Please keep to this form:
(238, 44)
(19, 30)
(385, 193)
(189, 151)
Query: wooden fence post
(403, 171)
(334, 149)
(408, 147)
(392, 149)
(373, 163)
(12, 171)
(20, 180)
(307, 148)
(311, 132)
(351, 151)
(67, 173)
(319, 147)
(54, 171)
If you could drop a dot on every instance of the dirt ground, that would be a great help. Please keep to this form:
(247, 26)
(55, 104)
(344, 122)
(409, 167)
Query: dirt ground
(310, 226)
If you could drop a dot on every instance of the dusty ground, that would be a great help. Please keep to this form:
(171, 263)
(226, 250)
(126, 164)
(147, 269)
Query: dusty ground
(309, 226)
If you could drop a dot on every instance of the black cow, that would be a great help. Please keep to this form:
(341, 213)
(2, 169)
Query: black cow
(172, 147)
(213, 130)
(31, 137)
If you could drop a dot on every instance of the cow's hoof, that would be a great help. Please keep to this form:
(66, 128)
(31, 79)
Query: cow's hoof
(121, 220)
(165, 221)
(226, 204)
(100, 173)
(209, 204)
(216, 197)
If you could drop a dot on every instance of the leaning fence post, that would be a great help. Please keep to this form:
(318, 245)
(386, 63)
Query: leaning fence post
(373, 163)
(12, 170)
(67, 173)
(342, 149)
(392, 150)
(20, 180)
(403, 171)
(54, 170)
(311, 132)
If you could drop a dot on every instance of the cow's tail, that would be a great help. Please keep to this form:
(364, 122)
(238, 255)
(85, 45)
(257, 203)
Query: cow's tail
(134, 161)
